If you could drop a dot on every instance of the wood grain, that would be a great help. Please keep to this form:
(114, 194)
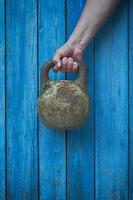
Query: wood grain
(2, 100)
(130, 39)
(51, 34)
(80, 143)
(21, 78)
(94, 162)
(111, 120)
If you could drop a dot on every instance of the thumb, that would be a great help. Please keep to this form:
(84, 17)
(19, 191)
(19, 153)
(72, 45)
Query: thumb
(57, 59)
(57, 56)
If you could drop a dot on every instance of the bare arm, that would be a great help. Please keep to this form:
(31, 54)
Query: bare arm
(94, 15)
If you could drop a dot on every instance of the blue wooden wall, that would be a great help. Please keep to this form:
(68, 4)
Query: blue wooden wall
(94, 162)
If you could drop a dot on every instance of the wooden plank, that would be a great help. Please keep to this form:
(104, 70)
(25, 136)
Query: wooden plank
(80, 143)
(21, 27)
(2, 100)
(130, 100)
(111, 120)
(51, 32)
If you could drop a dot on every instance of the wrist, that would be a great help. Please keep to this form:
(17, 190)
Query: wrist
(80, 39)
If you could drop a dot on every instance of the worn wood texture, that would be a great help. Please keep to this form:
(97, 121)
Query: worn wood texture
(51, 34)
(94, 162)
(2, 100)
(80, 143)
(21, 79)
(111, 106)
(130, 39)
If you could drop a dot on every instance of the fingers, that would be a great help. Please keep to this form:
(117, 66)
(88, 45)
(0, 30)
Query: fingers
(75, 66)
(70, 65)
(66, 65)
(57, 67)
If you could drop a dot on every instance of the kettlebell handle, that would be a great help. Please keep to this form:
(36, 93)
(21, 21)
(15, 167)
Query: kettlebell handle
(81, 80)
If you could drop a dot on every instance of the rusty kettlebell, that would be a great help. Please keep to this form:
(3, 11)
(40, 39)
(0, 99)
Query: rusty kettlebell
(63, 104)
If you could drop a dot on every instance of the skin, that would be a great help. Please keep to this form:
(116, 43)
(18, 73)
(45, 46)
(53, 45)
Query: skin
(94, 15)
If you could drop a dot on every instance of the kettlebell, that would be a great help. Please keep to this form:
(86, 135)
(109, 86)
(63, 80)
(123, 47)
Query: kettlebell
(63, 104)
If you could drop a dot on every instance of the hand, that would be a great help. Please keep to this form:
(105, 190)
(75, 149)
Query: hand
(64, 58)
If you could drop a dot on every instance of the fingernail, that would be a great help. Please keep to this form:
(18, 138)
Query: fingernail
(74, 63)
(71, 59)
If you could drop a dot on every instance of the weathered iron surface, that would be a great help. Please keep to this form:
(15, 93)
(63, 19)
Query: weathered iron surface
(62, 105)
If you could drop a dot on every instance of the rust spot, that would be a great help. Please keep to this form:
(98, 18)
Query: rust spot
(62, 91)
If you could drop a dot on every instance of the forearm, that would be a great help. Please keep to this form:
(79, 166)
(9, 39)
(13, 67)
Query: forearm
(94, 15)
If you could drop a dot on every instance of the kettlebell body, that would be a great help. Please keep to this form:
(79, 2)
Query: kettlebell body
(64, 104)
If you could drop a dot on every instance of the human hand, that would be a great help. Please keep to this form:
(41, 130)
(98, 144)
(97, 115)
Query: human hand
(64, 57)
